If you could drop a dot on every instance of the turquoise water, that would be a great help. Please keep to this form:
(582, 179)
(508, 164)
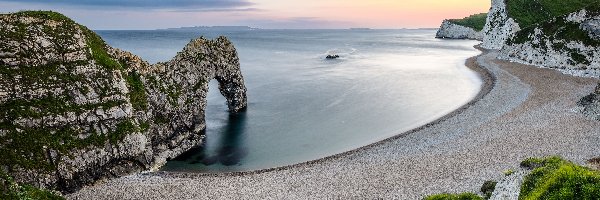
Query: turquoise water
(304, 107)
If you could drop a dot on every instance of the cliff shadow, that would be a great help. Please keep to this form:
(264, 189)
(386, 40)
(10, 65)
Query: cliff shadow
(227, 146)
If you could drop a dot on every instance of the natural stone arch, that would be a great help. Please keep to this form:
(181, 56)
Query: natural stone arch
(189, 74)
(229, 76)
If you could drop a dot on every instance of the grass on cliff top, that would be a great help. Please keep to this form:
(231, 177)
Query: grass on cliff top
(9, 189)
(560, 32)
(476, 21)
(48, 15)
(555, 178)
(94, 42)
(531, 12)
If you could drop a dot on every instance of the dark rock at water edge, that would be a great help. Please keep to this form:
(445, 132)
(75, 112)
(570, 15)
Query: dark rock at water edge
(330, 57)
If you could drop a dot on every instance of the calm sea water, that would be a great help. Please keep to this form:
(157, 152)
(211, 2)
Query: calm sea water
(303, 107)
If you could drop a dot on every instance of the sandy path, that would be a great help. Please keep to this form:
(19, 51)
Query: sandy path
(528, 112)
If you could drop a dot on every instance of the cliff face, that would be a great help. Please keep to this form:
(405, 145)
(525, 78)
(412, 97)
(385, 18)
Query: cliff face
(499, 27)
(449, 30)
(547, 37)
(74, 110)
(552, 34)
(569, 43)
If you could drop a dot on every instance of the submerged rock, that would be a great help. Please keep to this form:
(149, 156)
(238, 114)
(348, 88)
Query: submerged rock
(75, 110)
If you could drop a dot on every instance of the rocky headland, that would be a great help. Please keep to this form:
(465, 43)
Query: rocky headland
(552, 35)
(466, 28)
(556, 36)
(568, 41)
(75, 110)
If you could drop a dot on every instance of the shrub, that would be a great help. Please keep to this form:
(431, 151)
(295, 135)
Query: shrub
(9, 189)
(488, 188)
(555, 178)
(509, 172)
(461, 196)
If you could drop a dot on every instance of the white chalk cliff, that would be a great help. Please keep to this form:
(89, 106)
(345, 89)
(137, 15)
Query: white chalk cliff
(449, 30)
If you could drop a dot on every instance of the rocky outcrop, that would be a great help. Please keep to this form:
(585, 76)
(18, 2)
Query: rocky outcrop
(75, 110)
(590, 104)
(499, 27)
(569, 44)
(449, 30)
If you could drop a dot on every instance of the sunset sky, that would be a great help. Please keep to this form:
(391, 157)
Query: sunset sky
(153, 14)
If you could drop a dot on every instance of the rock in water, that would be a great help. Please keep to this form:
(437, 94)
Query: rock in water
(75, 110)
(332, 57)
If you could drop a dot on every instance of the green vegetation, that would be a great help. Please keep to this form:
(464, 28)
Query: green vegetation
(557, 29)
(509, 172)
(47, 15)
(530, 12)
(462, 196)
(559, 32)
(476, 21)
(65, 31)
(488, 188)
(49, 105)
(21, 30)
(551, 178)
(137, 91)
(555, 178)
(98, 50)
(30, 146)
(28, 137)
(9, 189)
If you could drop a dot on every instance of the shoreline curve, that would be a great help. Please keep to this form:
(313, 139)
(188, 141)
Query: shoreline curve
(488, 81)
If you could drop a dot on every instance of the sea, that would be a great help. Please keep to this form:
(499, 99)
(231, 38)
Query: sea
(304, 107)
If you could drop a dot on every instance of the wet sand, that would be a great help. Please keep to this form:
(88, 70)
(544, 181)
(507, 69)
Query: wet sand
(522, 111)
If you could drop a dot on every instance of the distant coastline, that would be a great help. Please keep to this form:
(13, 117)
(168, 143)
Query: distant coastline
(219, 28)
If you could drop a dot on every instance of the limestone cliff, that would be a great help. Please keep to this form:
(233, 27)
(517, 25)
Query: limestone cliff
(74, 110)
(555, 35)
(449, 30)
(498, 26)
(568, 43)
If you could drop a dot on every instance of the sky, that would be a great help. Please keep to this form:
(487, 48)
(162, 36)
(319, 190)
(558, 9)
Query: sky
(277, 14)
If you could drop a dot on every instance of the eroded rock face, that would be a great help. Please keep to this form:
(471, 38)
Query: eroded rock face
(570, 44)
(450, 30)
(74, 110)
(499, 27)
